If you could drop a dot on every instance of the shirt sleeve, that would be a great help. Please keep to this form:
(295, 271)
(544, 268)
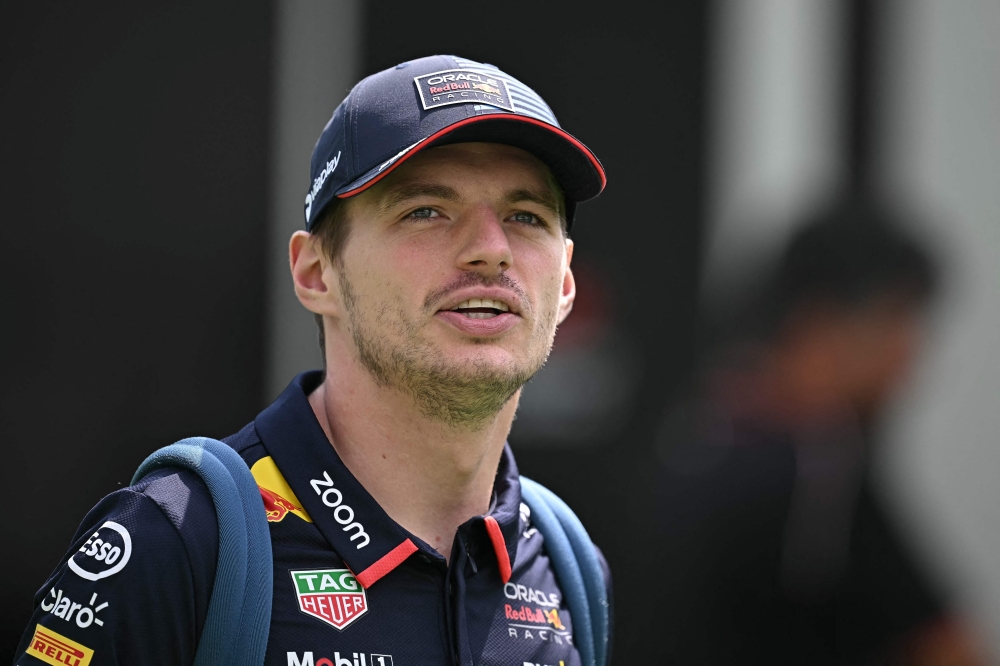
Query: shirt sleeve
(135, 584)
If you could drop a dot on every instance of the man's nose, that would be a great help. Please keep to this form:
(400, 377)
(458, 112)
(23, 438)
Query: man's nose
(485, 247)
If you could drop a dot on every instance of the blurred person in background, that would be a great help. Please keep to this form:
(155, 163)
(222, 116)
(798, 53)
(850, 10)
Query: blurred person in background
(776, 547)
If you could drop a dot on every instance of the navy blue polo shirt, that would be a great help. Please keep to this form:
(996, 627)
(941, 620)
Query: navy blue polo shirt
(351, 586)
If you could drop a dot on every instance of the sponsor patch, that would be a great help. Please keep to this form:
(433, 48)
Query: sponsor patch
(104, 554)
(531, 595)
(529, 614)
(56, 649)
(342, 513)
(317, 185)
(528, 621)
(461, 86)
(63, 607)
(331, 595)
(349, 659)
(279, 500)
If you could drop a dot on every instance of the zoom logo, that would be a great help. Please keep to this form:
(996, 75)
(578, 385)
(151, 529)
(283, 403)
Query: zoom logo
(343, 514)
(104, 554)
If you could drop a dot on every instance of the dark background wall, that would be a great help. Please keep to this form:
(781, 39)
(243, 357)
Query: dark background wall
(133, 189)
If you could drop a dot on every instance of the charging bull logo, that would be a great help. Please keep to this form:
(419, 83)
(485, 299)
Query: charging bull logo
(279, 500)
(552, 617)
(275, 506)
(487, 88)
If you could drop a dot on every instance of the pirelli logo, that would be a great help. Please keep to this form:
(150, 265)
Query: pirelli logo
(56, 649)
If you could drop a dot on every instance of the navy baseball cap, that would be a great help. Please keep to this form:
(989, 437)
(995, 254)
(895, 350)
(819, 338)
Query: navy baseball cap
(391, 116)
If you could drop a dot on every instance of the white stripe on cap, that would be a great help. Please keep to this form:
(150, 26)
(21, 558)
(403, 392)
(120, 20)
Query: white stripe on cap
(523, 99)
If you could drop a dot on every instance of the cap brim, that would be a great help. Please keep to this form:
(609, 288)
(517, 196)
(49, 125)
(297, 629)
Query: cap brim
(574, 166)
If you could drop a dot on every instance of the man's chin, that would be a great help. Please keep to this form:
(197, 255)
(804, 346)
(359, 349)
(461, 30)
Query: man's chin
(486, 360)
(464, 395)
(464, 384)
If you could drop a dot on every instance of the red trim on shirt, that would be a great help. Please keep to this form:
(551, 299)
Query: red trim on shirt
(499, 545)
(386, 563)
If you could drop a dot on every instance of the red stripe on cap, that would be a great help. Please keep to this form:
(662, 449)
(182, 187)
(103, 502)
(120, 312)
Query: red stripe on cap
(499, 545)
(386, 563)
(490, 116)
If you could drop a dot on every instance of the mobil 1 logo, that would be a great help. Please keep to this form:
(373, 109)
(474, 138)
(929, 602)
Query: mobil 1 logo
(348, 659)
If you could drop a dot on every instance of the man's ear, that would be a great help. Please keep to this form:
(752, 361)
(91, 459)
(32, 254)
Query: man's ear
(313, 274)
(568, 293)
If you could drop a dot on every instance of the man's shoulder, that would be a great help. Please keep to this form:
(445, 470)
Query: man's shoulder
(169, 514)
(244, 440)
(533, 558)
(135, 583)
(247, 443)
(180, 494)
(182, 497)
(184, 500)
(535, 591)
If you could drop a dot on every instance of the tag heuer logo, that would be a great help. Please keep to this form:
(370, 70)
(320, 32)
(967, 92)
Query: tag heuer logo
(331, 595)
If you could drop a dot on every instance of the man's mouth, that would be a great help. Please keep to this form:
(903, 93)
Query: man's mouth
(481, 308)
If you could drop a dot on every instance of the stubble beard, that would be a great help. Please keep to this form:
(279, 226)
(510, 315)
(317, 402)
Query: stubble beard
(464, 396)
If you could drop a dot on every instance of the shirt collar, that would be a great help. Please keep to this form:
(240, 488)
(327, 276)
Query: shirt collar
(370, 542)
(505, 513)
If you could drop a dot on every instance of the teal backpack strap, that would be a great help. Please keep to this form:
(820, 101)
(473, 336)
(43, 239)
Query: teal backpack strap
(580, 573)
(239, 613)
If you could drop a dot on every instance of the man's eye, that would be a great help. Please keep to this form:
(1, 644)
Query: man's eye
(423, 214)
(525, 217)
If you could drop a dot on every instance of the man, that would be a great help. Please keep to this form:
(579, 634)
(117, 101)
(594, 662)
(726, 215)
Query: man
(437, 263)
(776, 546)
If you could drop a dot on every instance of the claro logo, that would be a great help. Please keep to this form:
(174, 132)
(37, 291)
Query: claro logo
(342, 513)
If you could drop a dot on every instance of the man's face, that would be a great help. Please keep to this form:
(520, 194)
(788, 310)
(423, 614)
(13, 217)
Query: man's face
(454, 276)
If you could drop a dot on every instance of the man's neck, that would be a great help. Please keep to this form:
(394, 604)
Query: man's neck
(428, 476)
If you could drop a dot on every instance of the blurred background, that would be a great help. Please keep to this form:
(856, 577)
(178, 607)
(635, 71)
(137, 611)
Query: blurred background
(154, 160)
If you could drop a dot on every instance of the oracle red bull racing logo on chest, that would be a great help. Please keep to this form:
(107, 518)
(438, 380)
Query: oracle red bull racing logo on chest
(461, 86)
(331, 595)
(534, 615)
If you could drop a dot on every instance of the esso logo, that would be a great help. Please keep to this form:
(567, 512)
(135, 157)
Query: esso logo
(104, 554)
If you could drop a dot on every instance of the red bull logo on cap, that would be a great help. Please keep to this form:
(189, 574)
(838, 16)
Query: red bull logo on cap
(462, 86)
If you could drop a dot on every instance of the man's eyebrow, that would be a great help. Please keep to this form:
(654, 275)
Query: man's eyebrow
(397, 195)
(546, 198)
